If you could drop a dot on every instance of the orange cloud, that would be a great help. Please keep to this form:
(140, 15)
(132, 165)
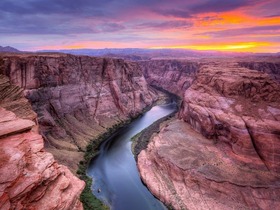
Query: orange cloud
(227, 47)
(269, 21)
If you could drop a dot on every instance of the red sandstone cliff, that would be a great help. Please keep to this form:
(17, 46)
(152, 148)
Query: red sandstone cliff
(30, 177)
(172, 75)
(78, 98)
(235, 105)
(240, 109)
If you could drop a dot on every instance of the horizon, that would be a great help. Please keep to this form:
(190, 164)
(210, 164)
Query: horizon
(242, 26)
(155, 49)
(142, 49)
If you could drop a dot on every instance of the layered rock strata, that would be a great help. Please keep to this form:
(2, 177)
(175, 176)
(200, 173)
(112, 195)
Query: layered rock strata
(235, 163)
(240, 109)
(77, 98)
(30, 177)
(176, 76)
(185, 170)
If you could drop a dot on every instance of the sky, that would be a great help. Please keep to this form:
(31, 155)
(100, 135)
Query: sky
(223, 25)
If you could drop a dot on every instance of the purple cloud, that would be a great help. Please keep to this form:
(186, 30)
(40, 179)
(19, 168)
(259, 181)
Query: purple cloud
(274, 29)
(181, 13)
(165, 24)
(106, 20)
(220, 5)
(111, 27)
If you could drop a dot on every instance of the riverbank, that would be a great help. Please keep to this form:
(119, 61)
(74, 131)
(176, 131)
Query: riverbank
(141, 140)
(115, 172)
(87, 198)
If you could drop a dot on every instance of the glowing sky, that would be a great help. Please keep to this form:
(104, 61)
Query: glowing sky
(227, 25)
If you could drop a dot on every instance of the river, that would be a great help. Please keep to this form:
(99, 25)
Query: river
(116, 180)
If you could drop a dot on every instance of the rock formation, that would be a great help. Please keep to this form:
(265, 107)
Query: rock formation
(30, 177)
(240, 109)
(235, 105)
(175, 76)
(77, 98)
(185, 170)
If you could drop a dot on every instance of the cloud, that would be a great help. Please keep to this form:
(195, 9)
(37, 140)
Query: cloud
(165, 25)
(156, 22)
(188, 9)
(111, 27)
(41, 24)
(268, 30)
(61, 25)
(271, 16)
(220, 5)
(60, 12)
(70, 7)
(181, 13)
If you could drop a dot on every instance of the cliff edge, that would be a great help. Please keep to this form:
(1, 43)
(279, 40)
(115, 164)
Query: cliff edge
(78, 98)
(223, 151)
(30, 177)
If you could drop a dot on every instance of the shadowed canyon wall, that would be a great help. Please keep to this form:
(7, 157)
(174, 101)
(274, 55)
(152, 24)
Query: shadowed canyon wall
(172, 75)
(235, 163)
(77, 98)
(30, 177)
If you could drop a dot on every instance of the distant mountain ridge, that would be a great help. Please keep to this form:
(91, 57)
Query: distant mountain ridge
(8, 49)
(137, 54)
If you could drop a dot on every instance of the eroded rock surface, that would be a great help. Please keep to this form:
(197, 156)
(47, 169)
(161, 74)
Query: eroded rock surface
(235, 163)
(188, 171)
(176, 76)
(240, 109)
(77, 98)
(30, 177)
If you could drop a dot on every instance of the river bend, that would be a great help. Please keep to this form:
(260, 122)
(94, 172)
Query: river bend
(116, 179)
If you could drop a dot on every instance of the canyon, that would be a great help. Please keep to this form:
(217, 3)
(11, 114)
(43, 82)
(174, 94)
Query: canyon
(175, 76)
(78, 98)
(222, 151)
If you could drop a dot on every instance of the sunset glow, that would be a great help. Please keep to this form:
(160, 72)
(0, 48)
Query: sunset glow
(234, 47)
(237, 26)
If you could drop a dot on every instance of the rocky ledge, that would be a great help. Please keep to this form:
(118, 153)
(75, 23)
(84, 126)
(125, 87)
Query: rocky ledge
(224, 153)
(30, 177)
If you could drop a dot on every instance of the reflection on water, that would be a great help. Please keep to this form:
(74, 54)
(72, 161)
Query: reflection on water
(115, 173)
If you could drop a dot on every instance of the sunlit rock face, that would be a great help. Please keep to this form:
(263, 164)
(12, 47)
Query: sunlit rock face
(30, 177)
(223, 153)
(78, 98)
(188, 171)
(240, 109)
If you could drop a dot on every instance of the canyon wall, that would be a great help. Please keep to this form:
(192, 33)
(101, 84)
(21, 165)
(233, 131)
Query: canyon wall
(224, 150)
(30, 177)
(240, 109)
(77, 98)
(176, 76)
